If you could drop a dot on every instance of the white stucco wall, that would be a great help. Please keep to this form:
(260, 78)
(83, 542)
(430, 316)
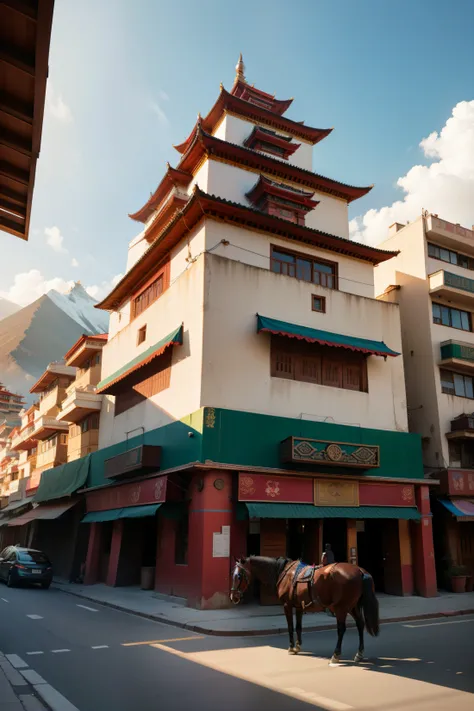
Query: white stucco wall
(236, 360)
(250, 247)
(237, 130)
(232, 183)
(181, 303)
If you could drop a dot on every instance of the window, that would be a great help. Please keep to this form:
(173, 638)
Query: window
(318, 303)
(301, 266)
(461, 454)
(447, 316)
(181, 541)
(97, 358)
(141, 335)
(321, 365)
(457, 384)
(447, 255)
(151, 292)
(147, 381)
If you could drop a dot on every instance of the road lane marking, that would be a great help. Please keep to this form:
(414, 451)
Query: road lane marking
(33, 654)
(35, 617)
(91, 609)
(55, 700)
(101, 646)
(161, 641)
(16, 661)
(32, 677)
(323, 701)
(59, 651)
(4, 599)
(435, 624)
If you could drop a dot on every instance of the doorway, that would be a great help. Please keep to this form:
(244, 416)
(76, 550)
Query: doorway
(335, 533)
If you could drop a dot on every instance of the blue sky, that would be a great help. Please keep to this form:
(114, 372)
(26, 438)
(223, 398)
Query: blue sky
(127, 80)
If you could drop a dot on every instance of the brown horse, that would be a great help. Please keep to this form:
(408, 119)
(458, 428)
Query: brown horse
(340, 587)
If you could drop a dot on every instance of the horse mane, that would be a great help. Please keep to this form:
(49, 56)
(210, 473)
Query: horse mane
(266, 569)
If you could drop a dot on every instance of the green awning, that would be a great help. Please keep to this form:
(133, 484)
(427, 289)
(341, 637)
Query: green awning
(63, 480)
(270, 510)
(116, 514)
(325, 338)
(172, 339)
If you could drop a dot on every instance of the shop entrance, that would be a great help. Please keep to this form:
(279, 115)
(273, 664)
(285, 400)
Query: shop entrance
(370, 550)
(335, 533)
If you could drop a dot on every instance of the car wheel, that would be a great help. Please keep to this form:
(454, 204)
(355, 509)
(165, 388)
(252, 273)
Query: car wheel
(45, 586)
(10, 582)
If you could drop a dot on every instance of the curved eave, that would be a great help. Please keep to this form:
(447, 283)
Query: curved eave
(265, 187)
(172, 177)
(203, 143)
(279, 106)
(201, 205)
(243, 108)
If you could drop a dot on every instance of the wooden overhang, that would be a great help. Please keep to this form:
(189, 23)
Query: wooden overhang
(265, 187)
(248, 92)
(204, 145)
(240, 107)
(263, 139)
(173, 178)
(200, 206)
(84, 347)
(25, 33)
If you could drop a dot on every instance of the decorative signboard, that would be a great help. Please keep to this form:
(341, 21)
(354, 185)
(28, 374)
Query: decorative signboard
(386, 494)
(296, 450)
(329, 492)
(150, 491)
(257, 487)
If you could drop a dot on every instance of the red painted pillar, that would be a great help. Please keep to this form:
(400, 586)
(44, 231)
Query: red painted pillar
(91, 574)
(422, 531)
(210, 510)
(114, 557)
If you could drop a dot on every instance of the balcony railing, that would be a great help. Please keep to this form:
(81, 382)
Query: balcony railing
(465, 423)
(459, 282)
(457, 350)
(452, 286)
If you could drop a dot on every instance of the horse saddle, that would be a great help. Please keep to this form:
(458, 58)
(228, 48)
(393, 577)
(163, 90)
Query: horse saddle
(305, 574)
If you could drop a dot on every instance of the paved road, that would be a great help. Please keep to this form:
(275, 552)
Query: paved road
(98, 659)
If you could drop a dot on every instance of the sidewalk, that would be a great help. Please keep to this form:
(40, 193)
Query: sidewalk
(16, 694)
(254, 619)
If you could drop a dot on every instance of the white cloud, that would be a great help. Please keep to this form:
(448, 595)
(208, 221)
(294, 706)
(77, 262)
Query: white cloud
(54, 238)
(74, 262)
(445, 187)
(99, 291)
(157, 109)
(163, 95)
(29, 286)
(56, 106)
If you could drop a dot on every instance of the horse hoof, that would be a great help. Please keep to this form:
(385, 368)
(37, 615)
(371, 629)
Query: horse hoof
(291, 650)
(358, 657)
(334, 660)
(297, 648)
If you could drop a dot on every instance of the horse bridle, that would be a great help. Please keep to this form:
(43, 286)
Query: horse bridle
(241, 575)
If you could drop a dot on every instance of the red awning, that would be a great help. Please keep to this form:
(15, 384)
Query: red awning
(43, 513)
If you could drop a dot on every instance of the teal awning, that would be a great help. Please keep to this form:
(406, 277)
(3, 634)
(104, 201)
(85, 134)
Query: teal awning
(271, 510)
(175, 338)
(116, 514)
(63, 480)
(325, 338)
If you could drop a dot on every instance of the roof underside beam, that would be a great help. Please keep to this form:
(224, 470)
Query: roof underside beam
(20, 110)
(17, 58)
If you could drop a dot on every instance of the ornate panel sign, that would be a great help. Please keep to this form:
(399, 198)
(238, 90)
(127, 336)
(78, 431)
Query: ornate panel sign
(256, 487)
(457, 482)
(386, 494)
(329, 492)
(340, 454)
(150, 491)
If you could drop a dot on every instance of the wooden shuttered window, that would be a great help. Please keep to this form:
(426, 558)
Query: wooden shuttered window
(146, 382)
(152, 291)
(322, 365)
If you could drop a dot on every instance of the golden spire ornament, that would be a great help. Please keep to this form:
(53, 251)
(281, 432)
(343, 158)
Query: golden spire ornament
(240, 69)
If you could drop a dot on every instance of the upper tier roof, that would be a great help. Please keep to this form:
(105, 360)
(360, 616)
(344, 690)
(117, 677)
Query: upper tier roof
(228, 102)
(172, 178)
(201, 205)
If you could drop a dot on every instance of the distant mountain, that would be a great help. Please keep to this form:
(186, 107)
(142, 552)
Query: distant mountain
(43, 332)
(7, 308)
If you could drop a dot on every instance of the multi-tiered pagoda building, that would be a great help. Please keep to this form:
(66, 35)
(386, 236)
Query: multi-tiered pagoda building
(254, 389)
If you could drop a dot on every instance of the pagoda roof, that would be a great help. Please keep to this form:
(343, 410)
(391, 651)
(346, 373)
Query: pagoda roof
(265, 186)
(249, 93)
(204, 144)
(202, 205)
(172, 178)
(245, 109)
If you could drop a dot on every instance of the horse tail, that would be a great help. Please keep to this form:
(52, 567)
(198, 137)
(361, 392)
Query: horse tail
(370, 605)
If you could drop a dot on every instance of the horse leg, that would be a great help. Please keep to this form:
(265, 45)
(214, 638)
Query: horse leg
(341, 629)
(359, 620)
(289, 620)
(299, 629)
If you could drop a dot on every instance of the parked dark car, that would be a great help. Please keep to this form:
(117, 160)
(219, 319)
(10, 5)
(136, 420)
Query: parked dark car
(25, 565)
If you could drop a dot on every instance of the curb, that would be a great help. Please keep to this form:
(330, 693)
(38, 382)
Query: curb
(255, 633)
